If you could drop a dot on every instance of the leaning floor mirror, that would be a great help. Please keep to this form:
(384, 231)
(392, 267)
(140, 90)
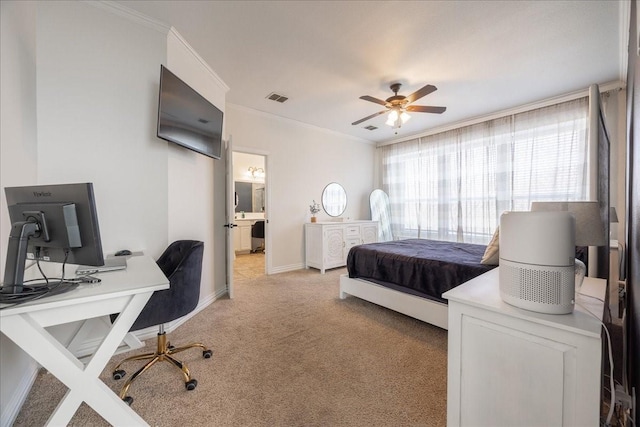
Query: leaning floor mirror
(381, 212)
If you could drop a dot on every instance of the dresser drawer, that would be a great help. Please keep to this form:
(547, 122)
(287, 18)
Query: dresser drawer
(352, 231)
(351, 242)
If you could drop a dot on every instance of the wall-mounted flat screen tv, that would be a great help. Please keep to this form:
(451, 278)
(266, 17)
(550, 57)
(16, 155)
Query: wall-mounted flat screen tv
(186, 118)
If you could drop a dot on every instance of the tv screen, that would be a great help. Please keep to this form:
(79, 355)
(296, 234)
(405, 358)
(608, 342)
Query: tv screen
(186, 118)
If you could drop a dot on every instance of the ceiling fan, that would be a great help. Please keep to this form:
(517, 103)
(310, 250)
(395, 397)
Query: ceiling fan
(398, 105)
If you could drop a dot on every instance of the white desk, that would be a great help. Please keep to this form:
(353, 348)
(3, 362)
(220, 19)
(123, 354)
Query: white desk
(125, 292)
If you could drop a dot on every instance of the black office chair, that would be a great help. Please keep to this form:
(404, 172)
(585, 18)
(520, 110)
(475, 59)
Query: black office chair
(257, 237)
(181, 262)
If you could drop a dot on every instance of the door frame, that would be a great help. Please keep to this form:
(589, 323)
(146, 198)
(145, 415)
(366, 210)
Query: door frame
(267, 197)
(229, 216)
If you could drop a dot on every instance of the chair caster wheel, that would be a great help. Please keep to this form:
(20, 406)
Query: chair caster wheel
(191, 385)
(119, 374)
(128, 400)
(207, 354)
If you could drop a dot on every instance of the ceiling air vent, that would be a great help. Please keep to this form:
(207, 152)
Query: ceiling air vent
(370, 127)
(278, 98)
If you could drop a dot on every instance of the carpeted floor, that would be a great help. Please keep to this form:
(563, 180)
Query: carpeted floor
(286, 352)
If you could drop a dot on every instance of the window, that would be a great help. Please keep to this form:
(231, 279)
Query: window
(454, 185)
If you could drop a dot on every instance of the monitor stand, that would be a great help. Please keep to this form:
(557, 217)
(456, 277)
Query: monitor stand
(17, 256)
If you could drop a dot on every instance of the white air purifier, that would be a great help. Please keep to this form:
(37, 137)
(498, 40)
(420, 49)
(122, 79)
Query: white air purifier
(537, 261)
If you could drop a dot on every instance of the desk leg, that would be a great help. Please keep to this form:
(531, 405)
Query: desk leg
(131, 342)
(83, 383)
(65, 409)
(80, 336)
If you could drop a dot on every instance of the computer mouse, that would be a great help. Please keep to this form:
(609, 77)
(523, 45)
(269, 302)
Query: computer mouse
(123, 252)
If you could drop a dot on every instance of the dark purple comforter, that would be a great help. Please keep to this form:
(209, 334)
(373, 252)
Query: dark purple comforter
(426, 268)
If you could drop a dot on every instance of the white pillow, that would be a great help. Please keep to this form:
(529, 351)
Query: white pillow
(492, 253)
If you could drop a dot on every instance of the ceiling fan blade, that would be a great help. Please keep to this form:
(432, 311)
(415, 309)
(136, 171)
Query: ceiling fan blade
(369, 117)
(425, 109)
(421, 92)
(372, 99)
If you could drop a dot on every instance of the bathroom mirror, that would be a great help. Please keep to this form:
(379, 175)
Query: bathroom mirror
(381, 212)
(334, 199)
(249, 196)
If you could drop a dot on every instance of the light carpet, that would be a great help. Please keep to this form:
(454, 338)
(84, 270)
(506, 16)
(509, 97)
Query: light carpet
(286, 352)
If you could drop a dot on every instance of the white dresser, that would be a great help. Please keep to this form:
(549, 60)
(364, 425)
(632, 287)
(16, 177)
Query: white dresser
(512, 367)
(327, 244)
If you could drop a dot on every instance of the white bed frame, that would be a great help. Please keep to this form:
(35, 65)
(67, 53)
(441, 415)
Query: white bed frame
(429, 311)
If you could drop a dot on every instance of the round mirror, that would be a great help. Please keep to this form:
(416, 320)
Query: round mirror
(334, 199)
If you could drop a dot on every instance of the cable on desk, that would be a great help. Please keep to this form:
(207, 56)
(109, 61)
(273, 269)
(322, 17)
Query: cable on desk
(38, 289)
(32, 293)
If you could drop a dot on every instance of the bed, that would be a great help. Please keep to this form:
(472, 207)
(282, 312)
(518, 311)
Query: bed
(410, 276)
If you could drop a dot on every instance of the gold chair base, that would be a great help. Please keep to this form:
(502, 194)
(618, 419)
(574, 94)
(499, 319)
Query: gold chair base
(164, 352)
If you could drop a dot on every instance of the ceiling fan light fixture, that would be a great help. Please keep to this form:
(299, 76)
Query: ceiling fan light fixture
(397, 117)
(398, 105)
(392, 118)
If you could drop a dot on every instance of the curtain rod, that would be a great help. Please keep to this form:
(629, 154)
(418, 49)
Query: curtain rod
(607, 87)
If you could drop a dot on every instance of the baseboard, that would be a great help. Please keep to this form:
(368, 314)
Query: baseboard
(10, 412)
(286, 268)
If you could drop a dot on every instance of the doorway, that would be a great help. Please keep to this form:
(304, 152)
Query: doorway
(250, 237)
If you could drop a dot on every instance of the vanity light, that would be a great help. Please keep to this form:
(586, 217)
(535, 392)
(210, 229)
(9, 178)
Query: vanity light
(256, 172)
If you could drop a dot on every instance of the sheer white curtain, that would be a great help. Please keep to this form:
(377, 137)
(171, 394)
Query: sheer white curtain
(454, 185)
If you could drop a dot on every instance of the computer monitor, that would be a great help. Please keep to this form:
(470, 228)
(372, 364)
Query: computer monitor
(56, 223)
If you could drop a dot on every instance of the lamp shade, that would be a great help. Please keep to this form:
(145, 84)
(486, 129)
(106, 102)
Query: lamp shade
(589, 223)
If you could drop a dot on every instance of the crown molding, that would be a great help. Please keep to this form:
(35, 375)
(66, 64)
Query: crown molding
(173, 32)
(161, 27)
(132, 15)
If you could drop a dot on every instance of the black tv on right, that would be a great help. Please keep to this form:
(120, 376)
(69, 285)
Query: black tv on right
(186, 118)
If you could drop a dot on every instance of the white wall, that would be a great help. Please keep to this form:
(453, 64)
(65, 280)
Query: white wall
(302, 160)
(79, 104)
(196, 190)
(18, 166)
(97, 109)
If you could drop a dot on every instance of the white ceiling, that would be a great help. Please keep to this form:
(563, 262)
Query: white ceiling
(483, 56)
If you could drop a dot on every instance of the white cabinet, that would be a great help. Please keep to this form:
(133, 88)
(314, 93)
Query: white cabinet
(327, 244)
(512, 367)
(242, 235)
